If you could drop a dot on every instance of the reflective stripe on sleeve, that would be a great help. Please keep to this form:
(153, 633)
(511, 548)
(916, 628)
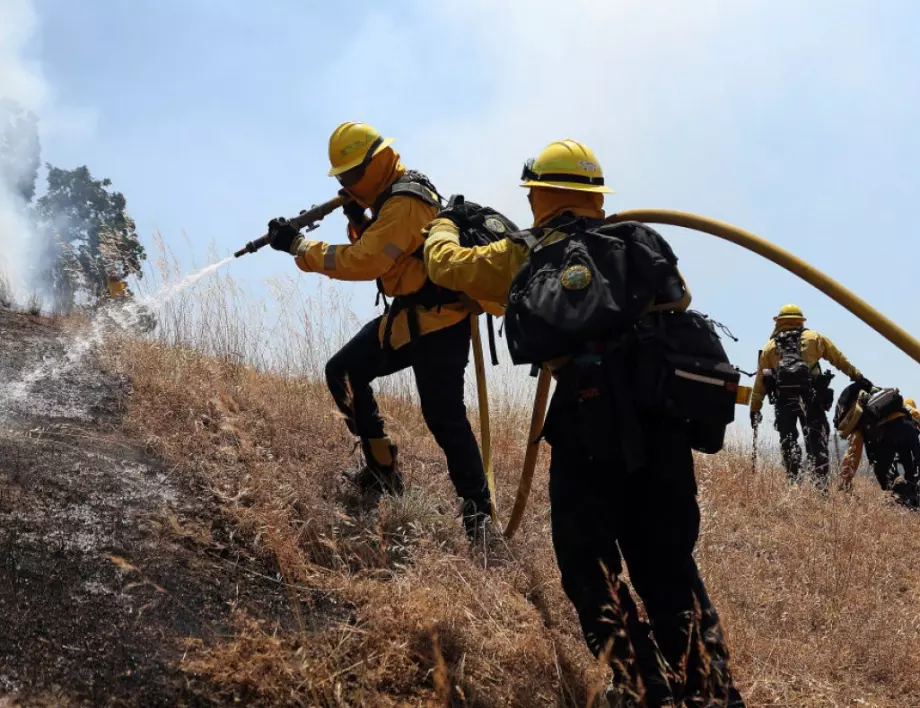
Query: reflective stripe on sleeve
(393, 251)
(329, 258)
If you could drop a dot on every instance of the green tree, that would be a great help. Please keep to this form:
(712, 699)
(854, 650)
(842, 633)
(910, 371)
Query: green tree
(90, 233)
(20, 150)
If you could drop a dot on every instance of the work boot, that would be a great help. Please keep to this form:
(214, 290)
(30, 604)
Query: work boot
(477, 518)
(380, 474)
(621, 698)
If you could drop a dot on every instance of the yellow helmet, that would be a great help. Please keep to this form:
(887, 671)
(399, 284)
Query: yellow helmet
(910, 402)
(790, 312)
(353, 145)
(566, 164)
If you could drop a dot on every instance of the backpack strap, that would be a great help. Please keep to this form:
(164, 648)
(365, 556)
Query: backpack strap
(412, 184)
(493, 351)
(530, 238)
(417, 185)
(381, 295)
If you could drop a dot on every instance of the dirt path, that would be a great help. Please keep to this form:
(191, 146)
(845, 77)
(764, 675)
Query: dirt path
(108, 563)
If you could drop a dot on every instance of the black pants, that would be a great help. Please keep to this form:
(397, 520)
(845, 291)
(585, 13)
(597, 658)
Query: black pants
(601, 518)
(792, 413)
(894, 447)
(439, 361)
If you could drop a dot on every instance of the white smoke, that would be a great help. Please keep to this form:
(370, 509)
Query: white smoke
(26, 92)
(21, 81)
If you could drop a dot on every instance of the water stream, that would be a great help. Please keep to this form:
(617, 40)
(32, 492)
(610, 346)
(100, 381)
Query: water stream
(20, 392)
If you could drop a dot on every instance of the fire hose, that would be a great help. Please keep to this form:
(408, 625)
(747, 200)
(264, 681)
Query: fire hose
(892, 332)
(795, 265)
(484, 427)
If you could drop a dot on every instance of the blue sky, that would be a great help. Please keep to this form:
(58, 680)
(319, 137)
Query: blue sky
(798, 121)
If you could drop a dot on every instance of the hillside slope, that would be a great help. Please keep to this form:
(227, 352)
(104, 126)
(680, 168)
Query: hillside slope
(238, 485)
(109, 559)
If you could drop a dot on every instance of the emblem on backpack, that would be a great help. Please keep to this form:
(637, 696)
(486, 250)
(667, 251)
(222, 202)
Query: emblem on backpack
(495, 225)
(576, 277)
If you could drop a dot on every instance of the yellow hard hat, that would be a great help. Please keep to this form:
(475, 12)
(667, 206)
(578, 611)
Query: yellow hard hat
(353, 145)
(790, 312)
(566, 164)
(910, 402)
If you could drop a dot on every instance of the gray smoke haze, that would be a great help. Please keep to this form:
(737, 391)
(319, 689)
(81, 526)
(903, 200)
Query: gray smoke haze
(22, 83)
(26, 96)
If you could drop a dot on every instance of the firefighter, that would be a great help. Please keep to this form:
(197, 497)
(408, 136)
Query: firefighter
(789, 371)
(911, 405)
(613, 498)
(424, 327)
(878, 421)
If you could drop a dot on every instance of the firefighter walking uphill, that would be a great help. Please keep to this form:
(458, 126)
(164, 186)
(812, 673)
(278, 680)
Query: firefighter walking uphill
(622, 485)
(424, 327)
(789, 374)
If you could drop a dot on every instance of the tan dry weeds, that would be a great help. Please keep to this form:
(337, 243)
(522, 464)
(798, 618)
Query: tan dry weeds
(819, 596)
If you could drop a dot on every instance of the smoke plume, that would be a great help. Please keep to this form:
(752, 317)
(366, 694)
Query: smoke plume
(23, 90)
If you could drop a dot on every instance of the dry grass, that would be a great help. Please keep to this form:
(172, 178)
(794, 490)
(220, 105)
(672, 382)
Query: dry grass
(272, 449)
(819, 596)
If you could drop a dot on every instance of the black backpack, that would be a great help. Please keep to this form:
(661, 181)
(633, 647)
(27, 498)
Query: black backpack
(597, 286)
(875, 405)
(584, 282)
(479, 226)
(683, 371)
(792, 374)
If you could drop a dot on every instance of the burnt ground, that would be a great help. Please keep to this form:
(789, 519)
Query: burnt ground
(108, 562)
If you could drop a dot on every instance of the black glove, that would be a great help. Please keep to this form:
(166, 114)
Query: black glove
(353, 211)
(457, 210)
(756, 418)
(864, 384)
(282, 234)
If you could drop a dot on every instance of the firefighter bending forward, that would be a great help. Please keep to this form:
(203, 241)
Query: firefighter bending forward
(601, 514)
(425, 327)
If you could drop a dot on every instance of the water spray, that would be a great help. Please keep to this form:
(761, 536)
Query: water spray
(127, 315)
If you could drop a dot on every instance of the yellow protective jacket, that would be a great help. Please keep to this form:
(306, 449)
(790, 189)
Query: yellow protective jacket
(814, 347)
(482, 272)
(384, 250)
(914, 413)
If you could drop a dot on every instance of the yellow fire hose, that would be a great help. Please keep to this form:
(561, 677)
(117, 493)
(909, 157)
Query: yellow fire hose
(865, 312)
(868, 314)
(484, 428)
(533, 451)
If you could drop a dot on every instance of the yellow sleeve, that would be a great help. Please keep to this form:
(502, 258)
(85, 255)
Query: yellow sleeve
(767, 360)
(829, 352)
(482, 272)
(851, 459)
(914, 413)
(374, 253)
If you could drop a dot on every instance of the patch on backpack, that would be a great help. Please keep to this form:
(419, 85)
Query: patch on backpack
(495, 225)
(576, 277)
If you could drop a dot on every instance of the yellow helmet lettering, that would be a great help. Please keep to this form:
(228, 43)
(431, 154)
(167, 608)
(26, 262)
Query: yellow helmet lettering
(566, 164)
(352, 144)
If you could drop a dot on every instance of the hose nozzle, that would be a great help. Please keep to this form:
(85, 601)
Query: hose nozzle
(253, 246)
